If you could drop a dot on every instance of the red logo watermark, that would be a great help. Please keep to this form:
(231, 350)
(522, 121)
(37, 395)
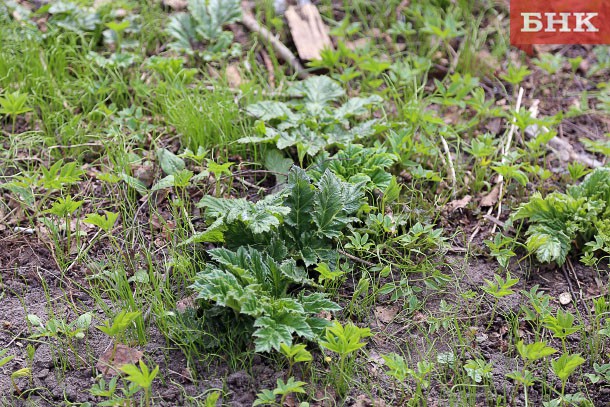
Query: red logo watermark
(559, 22)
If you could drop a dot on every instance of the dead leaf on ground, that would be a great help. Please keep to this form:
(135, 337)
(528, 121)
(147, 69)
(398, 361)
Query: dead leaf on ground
(124, 355)
(458, 204)
(186, 303)
(492, 197)
(494, 125)
(145, 173)
(363, 401)
(358, 44)
(386, 314)
(233, 76)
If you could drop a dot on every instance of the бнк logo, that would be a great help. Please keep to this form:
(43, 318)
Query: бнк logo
(559, 22)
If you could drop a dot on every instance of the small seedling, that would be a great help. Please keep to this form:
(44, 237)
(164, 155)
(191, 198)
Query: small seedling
(501, 249)
(344, 340)
(117, 328)
(295, 353)
(24, 372)
(141, 376)
(212, 399)
(478, 369)
(563, 367)
(14, 104)
(268, 397)
(398, 369)
(105, 222)
(529, 353)
(561, 325)
(499, 289)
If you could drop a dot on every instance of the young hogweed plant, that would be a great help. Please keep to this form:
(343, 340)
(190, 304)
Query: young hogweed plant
(581, 215)
(301, 221)
(310, 121)
(203, 24)
(255, 286)
(344, 340)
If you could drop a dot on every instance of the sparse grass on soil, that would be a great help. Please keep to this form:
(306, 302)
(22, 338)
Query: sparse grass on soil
(421, 218)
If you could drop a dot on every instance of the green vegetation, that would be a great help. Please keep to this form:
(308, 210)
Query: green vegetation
(419, 217)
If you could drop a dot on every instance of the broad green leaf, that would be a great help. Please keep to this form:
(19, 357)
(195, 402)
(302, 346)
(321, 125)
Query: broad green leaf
(534, 351)
(300, 200)
(566, 365)
(357, 106)
(318, 302)
(219, 169)
(548, 244)
(265, 398)
(209, 236)
(270, 110)
(278, 164)
(105, 222)
(317, 91)
(296, 353)
(270, 335)
(170, 162)
(296, 323)
(135, 184)
(291, 386)
(258, 217)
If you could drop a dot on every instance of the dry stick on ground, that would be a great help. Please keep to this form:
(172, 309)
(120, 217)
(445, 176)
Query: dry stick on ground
(451, 167)
(283, 52)
(356, 259)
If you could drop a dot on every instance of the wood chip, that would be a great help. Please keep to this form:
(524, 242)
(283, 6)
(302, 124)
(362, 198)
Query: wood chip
(309, 32)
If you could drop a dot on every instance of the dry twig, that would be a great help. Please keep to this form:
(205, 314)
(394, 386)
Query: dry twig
(283, 52)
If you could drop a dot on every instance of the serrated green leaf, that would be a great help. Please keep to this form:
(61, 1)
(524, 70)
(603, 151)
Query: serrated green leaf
(548, 244)
(333, 202)
(317, 92)
(299, 200)
(278, 164)
(270, 335)
(258, 217)
(270, 110)
(357, 106)
(105, 222)
(296, 323)
(209, 236)
(566, 364)
(534, 351)
(318, 302)
(291, 386)
(265, 398)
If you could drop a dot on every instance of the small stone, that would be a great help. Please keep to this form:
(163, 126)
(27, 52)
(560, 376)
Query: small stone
(41, 374)
(565, 298)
